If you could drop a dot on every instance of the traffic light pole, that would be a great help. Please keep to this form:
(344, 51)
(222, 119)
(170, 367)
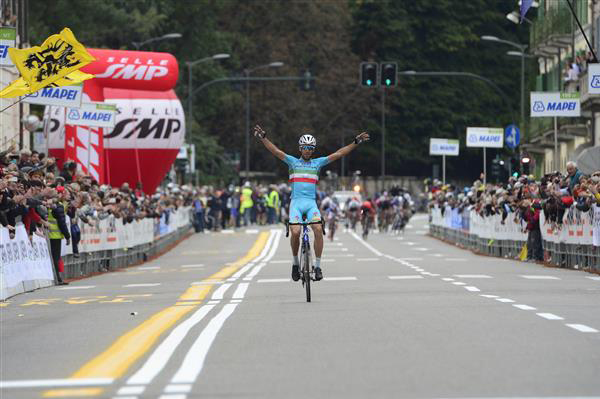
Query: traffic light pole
(382, 138)
(444, 169)
(484, 168)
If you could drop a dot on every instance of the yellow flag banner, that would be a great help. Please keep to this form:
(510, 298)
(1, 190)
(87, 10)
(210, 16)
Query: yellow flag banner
(57, 57)
(20, 87)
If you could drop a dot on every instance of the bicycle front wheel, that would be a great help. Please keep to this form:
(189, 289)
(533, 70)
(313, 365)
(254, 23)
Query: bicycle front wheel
(306, 273)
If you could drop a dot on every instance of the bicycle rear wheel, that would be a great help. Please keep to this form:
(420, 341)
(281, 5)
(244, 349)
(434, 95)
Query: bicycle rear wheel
(306, 271)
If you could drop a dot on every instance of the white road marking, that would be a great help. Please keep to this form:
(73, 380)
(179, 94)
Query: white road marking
(367, 259)
(142, 285)
(240, 291)
(251, 231)
(327, 260)
(173, 396)
(228, 231)
(434, 274)
(535, 277)
(448, 279)
(582, 328)
(549, 316)
(421, 249)
(281, 261)
(404, 277)
(459, 283)
(437, 255)
(489, 296)
(409, 243)
(594, 278)
(148, 267)
(273, 280)
(178, 388)
(410, 259)
(337, 249)
(213, 302)
(194, 360)
(197, 265)
(504, 300)
(339, 278)
(366, 244)
(64, 382)
(524, 307)
(236, 301)
(77, 287)
(161, 355)
(472, 276)
(456, 259)
(344, 255)
(471, 288)
(218, 294)
(132, 390)
(207, 282)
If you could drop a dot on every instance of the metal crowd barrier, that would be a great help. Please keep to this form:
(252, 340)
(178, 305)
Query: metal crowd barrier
(90, 263)
(570, 256)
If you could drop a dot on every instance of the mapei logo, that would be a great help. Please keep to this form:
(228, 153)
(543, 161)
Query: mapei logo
(595, 82)
(473, 138)
(3, 50)
(538, 106)
(74, 115)
(61, 94)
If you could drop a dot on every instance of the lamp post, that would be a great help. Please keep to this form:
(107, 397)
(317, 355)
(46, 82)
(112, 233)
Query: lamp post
(168, 36)
(247, 71)
(190, 65)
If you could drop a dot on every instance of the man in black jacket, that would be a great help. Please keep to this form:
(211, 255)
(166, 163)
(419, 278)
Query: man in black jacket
(58, 229)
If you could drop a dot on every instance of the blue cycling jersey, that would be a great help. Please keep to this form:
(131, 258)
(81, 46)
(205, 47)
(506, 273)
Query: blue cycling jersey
(304, 175)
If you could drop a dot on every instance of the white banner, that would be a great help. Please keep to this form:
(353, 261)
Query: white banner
(69, 96)
(8, 38)
(491, 137)
(554, 104)
(443, 147)
(25, 264)
(593, 78)
(92, 114)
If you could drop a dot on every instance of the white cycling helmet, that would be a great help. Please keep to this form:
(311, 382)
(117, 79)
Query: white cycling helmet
(307, 139)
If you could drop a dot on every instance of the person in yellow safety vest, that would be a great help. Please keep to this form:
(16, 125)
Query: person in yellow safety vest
(272, 205)
(58, 230)
(246, 203)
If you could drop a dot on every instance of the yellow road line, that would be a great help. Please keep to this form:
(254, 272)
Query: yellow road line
(114, 361)
(75, 392)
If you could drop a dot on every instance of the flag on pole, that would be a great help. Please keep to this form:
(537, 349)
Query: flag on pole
(20, 87)
(525, 6)
(57, 57)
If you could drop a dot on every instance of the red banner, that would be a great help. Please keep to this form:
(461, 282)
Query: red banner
(84, 145)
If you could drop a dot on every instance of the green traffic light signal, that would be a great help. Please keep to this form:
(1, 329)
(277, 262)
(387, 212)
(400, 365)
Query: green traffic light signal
(388, 82)
(369, 82)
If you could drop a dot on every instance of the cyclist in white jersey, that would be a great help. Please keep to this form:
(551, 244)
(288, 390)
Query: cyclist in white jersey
(304, 176)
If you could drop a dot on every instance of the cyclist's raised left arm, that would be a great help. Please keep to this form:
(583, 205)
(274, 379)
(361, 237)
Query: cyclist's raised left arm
(342, 152)
(262, 135)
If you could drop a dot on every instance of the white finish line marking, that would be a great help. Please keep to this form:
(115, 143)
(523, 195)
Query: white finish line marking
(339, 278)
(65, 382)
(472, 276)
(524, 307)
(367, 259)
(471, 288)
(132, 390)
(404, 277)
(77, 287)
(582, 328)
(504, 300)
(273, 280)
(148, 267)
(281, 261)
(549, 316)
(489, 296)
(198, 265)
(178, 388)
(533, 277)
(142, 285)
(459, 283)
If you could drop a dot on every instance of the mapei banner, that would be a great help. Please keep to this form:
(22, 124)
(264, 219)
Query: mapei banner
(68, 96)
(8, 38)
(149, 125)
(554, 104)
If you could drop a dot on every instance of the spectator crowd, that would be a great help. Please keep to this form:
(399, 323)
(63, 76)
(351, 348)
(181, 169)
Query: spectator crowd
(524, 199)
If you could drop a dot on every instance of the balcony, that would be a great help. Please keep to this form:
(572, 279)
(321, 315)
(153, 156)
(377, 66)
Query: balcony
(553, 30)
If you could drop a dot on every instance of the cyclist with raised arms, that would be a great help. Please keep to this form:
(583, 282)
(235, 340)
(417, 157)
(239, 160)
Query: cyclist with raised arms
(304, 176)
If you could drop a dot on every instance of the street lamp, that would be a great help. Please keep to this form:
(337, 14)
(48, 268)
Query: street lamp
(522, 54)
(514, 17)
(247, 71)
(190, 65)
(156, 39)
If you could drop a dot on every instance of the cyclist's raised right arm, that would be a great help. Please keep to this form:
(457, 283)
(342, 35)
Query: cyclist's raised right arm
(262, 135)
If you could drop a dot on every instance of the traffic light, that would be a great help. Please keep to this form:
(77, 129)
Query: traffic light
(388, 74)
(368, 74)
(496, 169)
(525, 161)
(306, 83)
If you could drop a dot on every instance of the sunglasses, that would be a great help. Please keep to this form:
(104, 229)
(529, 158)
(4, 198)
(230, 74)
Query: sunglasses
(307, 148)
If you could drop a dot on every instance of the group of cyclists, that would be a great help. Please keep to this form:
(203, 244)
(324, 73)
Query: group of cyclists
(389, 212)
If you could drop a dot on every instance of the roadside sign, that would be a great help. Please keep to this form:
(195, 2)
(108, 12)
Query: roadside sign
(512, 136)
(66, 96)
(92, 114)
(490, 137)
(8, 37)
(594, 78)
(443, 146)
(554, 104)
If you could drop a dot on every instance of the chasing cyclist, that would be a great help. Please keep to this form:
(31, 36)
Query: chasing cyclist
(304, 176)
